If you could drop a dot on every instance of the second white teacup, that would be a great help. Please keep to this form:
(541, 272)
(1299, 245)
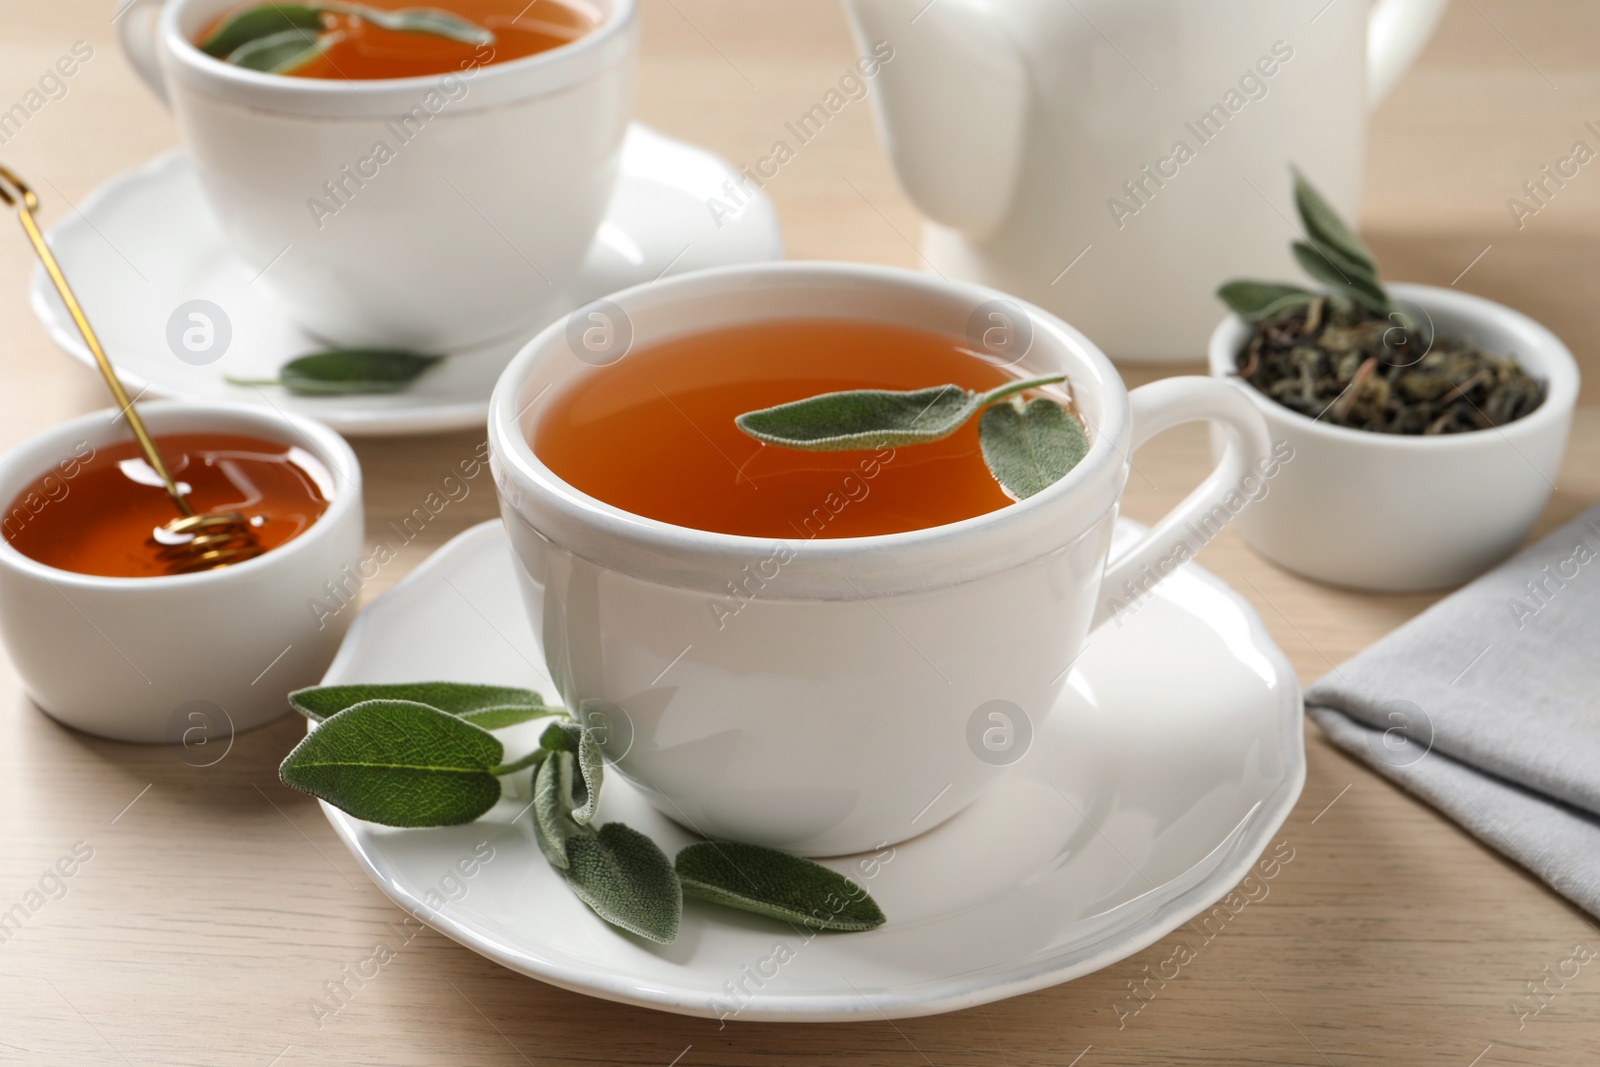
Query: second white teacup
(870, 687)
(465, 227)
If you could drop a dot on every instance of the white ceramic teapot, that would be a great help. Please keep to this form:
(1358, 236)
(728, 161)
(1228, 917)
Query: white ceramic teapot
(1116, 160)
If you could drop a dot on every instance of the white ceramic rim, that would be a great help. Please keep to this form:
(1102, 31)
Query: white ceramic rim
(1550, 360)
(1049, 517)
(168, 416)
(1247, 841)
(497, 83)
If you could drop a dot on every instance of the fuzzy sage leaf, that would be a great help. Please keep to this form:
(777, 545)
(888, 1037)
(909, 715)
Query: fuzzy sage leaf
(627, 880)
(417, 20)
(1330, 268)
(776, 884)
(348, 372)
(492, 707)
(552, 804)
(875, 418)
(1331, 253)
(257, 23)
(281, 38)
(1325, 229)
(398, 763)
(1252, 300)
(282, 53)
(580, 743)
(617, 871)
(1028, 449)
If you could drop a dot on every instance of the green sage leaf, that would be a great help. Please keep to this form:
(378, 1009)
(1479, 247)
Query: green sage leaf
(398, 763)
(1254, 300)
(1337, 273)
(773, 883)
(1325, 228)
(252, 24)
(349, 371)
(581, 743)
(552, 804)
(490, 706)
(874, 418)
(1032, 448)
(418, 20)
(282, 53)
(627, 880)
(862, 419)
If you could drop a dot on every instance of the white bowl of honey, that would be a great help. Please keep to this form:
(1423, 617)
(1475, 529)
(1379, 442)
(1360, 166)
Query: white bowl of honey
(105, 638)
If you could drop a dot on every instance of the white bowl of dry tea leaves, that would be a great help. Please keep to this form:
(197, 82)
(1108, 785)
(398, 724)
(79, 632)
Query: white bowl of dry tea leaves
(1417, 430)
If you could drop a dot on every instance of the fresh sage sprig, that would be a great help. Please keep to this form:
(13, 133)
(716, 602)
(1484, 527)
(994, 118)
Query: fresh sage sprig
(492, 707)
(421, 754)
(282, 38)
(1027, 447)
(348, 372)
(776, 884)
(399, 763)
(1331, 253)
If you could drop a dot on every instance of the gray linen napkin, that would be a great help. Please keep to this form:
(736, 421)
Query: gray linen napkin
(1487, 705)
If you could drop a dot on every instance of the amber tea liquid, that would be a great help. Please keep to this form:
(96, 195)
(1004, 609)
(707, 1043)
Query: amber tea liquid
(520, 29)
(653, 433)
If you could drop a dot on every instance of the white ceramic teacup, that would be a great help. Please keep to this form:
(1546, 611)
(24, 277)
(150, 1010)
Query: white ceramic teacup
(187, 658)
(828, 696)
(470, 222)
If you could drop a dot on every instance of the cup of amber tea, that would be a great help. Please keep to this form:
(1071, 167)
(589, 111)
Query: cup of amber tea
(813, 650)
(431, 183)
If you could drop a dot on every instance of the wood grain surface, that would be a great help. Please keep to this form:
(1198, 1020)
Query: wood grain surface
(217, 902)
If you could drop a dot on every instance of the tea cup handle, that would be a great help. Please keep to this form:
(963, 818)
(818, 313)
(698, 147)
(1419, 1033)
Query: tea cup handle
(1186, 529)
(135, 21)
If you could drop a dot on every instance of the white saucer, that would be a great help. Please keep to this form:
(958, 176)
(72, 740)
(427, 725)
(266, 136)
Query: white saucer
(1148, 794)
(146, 242)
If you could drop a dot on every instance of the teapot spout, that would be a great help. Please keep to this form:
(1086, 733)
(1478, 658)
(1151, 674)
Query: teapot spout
(952, 104)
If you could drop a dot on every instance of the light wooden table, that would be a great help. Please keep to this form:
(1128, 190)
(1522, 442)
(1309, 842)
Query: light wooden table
(218, 902)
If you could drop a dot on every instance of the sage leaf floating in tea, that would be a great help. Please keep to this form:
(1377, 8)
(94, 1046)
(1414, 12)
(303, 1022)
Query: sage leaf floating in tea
(1026, 451)
(348, 372)
(491, 707)
(875, 418)
(281, 38)
(258, 23)
(398, 763)
(428, 20)
(627, 880)
(1029, 449)
(282, 53)
(1351, 358)
(775, 884)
